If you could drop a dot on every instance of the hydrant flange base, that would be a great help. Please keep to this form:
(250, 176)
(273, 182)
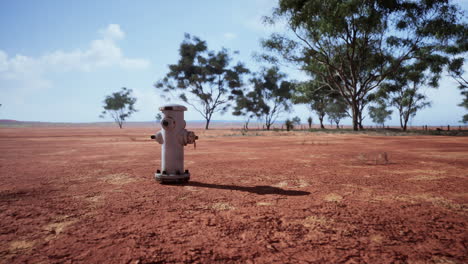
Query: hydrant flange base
(183, 177)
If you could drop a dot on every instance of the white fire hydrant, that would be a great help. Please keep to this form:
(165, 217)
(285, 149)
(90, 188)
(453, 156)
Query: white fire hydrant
(173, 136)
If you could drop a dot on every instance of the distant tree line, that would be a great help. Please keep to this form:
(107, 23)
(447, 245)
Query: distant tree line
(360, 55)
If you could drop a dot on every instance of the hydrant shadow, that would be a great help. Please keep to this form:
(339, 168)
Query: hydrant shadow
(261, 190)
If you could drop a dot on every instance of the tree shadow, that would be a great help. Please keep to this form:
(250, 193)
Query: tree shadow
(261, 190)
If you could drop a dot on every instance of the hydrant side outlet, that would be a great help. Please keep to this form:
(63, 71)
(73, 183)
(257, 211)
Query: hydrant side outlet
(173, 137)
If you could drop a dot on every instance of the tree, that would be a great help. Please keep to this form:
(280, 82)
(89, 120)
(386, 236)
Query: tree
(455, 67)
(207, 75)
(353, 46)
(403, 87)
(315, 96)
(158, 117)
(119, 105)
(336, 110)
(379, 112)
(291, 123)
(408, 102)
(269, 98)
(288, 124)
(456, 71)
(309, 121)
(296, 121)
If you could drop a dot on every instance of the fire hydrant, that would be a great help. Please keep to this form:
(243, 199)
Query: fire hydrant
(173, 136)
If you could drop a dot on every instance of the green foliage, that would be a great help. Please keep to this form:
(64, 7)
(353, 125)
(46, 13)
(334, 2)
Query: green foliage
(269, 97)
(455, 69)
(336, 110)
(317, 96)
(309, 121)
(288, 124)
(402, 91)
(296, 121)
(158, 117)
(207, 75)
(353, 46)
(379, 112)
(119, 105)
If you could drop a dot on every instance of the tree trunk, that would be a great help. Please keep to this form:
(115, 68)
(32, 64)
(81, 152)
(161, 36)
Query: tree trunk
(321, 123)
(355, 110)
(405, 123)
(404, 118)
(360, 120)
(401, 120)
(207, 124)
(268, 126)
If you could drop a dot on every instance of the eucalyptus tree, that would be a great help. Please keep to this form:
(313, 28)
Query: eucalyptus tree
(269, 97)
(379, 112)
(455, 68)
(336, 110)
(309, 121)
(204, 79)
(456, 71)
(403, 89)
(316, 96)
(119, 105)
(354, 45)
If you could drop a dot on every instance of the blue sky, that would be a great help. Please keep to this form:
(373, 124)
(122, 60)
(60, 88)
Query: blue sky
(59, 59)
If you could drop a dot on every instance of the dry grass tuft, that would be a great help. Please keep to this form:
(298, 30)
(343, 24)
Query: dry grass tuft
(118, 178)
(21, 245)
(333, 197)
(222, 207)
(264, 204)
(377, 158)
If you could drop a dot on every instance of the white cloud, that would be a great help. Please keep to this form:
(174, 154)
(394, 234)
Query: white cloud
(101, 53)
(229, 35)
(112, 31)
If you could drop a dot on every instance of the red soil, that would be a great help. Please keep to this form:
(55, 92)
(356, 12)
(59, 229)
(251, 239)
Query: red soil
(87, 195)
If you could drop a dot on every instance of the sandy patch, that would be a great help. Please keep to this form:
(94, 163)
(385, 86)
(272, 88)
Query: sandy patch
(21, 245)
(117, 178)
(222, 206)
(333, 197)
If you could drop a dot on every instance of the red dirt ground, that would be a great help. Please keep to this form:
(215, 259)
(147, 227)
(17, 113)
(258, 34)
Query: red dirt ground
(87, 195)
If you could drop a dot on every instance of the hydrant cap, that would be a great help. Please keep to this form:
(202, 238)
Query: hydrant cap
(173, 107)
